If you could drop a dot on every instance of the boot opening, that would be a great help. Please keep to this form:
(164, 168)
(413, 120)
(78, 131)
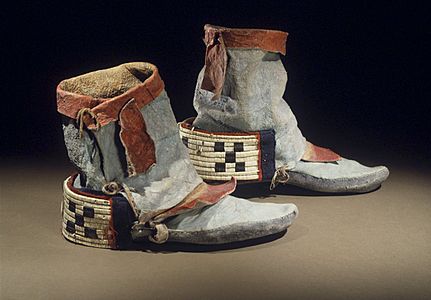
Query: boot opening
(110, 82)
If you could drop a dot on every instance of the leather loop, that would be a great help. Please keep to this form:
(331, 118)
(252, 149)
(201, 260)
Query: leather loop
(161, 236)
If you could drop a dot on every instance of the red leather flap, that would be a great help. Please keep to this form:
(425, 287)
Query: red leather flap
(138, 145)
(203, 195)
(318, 154)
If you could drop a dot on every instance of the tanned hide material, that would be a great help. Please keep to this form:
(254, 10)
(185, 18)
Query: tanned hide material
(319, 154)
(139, 148)
(217, 39)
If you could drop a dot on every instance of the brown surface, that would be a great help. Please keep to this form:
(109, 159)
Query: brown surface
(138, 146)
(107, 98)
(316, 153)
(265, 39)
(376, 245)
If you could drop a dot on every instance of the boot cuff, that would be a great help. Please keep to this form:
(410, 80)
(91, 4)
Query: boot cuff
(99, 98)
(268, 40)
(105, 92)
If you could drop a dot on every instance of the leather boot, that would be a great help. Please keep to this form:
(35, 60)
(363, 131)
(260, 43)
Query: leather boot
(135, 181)
(239, 92)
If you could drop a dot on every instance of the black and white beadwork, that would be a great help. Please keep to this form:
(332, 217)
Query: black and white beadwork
(86, 220)
(94, 219)
(248, 156)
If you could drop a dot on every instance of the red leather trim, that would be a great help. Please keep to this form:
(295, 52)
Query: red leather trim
(140, 149)
(259, 159)
(217, 39)
(203, 195)
(112, 233)
(215, 63)
(268, 40)
(107, 110)
(318, 154)
(143, 94)
(69, 104)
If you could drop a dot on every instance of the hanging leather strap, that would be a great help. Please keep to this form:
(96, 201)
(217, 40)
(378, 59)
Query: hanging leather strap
(139, 147)
(217, 39)
(125, 108)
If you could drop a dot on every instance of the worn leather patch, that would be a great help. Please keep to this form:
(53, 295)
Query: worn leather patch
(215, 64)
(138, 145)
(318, 154)
(69, 104)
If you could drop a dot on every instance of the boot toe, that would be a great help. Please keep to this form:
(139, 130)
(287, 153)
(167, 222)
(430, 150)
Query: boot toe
(344, 176)
(231, 220)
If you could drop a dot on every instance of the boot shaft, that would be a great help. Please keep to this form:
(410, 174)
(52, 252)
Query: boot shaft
(119, 127)
(241, 87)
(136, 181)
(103, 107)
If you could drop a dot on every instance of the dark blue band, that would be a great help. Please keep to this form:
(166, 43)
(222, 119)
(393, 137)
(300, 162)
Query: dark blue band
(267, 150)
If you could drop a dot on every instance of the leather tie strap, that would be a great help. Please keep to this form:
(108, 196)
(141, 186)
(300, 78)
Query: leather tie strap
(217, 39)
(125, 109)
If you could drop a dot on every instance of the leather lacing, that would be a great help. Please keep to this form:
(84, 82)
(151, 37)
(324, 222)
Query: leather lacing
(80, 118)
(281, 175)
(159, 232)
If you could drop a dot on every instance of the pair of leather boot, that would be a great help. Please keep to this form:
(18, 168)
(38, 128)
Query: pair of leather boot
(137, 181)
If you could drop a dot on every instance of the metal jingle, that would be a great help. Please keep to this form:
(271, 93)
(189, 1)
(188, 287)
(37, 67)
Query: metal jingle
(141, 232)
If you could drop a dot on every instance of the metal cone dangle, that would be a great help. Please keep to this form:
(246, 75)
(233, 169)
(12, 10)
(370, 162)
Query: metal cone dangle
(135, 182)
(244, 128)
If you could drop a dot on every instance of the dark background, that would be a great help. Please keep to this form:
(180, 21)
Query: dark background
(358, 71)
